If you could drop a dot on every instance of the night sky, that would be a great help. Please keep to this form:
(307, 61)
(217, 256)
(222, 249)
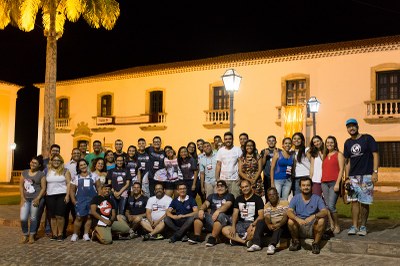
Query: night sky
(154, 32)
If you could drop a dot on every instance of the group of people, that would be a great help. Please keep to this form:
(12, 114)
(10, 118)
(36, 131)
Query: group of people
(244, 193)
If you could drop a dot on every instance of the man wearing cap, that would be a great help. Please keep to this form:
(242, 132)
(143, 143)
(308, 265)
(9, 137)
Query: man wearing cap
(102, 209)
(361, 153)
(220, 206)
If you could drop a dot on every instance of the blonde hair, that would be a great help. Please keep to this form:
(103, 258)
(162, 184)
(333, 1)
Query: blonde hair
(60, 169)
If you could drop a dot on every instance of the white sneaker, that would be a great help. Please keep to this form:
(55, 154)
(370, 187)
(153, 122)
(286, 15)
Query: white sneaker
(271, 250)
(86, 237)
(74, 237)
(254, 247)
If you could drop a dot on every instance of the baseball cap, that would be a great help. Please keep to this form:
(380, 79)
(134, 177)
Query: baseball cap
(351, 121)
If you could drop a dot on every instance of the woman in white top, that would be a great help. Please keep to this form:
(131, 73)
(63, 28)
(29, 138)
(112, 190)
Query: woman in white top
(316, 152)
(58, 186)
(302, 160)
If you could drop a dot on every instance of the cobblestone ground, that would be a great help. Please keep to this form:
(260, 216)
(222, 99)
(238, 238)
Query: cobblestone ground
(137, 252)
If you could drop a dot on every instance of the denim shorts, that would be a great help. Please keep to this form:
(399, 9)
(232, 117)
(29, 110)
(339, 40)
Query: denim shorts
(241, 228)
(363, 189)
(223, 219)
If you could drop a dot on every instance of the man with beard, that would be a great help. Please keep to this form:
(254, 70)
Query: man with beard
(97, 152)
(361, 153)
(102, 209)
(157, 155)
(220, 205)
(119, 145)
(155, 214)
(143, 159)
(306, 215)
(267, 154)
(227, 164)
(136, 207)
(247, 211)
(207, 164)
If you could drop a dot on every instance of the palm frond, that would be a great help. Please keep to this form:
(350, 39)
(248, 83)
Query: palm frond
(110, 13)
(60, 20)
(29, 10)
(73, 9)
(5, 18)
(92, 13)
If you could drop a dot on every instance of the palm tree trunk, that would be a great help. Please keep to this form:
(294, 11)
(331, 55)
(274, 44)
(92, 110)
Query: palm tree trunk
(48, 136)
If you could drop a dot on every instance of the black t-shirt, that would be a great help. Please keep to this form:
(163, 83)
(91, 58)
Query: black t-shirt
(104, 206)
(118, 178)
(133, 167)
(143, 161)
(217, 202)
(188, 166)
(248, 209)
(156, 161)
(360, 153)
(136, 206)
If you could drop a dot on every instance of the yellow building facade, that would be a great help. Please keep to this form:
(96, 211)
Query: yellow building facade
(185, 101)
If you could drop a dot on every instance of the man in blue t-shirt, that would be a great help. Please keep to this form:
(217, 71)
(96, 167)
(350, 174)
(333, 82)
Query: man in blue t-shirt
(362, 159)
(180, 214)
(306, 213)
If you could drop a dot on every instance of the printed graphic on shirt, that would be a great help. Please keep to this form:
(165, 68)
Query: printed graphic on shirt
(247, 211)
(105, 208)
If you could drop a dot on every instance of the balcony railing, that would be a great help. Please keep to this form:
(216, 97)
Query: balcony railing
(216, 118)
(63, 124)
(385, 111)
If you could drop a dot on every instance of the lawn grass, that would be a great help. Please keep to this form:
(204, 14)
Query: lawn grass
(380, 209)
(10, 200)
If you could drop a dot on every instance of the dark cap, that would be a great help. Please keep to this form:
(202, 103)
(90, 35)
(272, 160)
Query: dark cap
(222, 182)
(107, 185)
(351, 121)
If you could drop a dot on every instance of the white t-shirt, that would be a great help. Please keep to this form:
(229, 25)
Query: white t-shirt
(303, 167)
(56, 184)
(158, 207)
(229, 162)
(317, 175)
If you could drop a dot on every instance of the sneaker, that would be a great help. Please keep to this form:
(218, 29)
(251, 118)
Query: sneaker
(248, 243)
(271, 250)
(253, 248)
(86, 237)
(60, 238)
(185, 238)
(146, 237)
(172, 239)
(74, 237)
(352, 231)
(194, 240)
(315, 248)
(211, 241)
(53, 238)
(157, 237)
(24, 239)
(295, 245)
(233, 243)
(362, 231)
(132, 234)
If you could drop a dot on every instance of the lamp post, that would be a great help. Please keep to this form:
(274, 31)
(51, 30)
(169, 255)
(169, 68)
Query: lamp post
(231, 81)
(13, 146)
(313, 107)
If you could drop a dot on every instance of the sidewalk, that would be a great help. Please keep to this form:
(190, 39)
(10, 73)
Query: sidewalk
(383, 238)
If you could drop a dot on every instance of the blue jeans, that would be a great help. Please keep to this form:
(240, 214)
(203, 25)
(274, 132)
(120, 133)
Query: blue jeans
(330, 196)
(283, 186)
(29, 211)
(120, 205)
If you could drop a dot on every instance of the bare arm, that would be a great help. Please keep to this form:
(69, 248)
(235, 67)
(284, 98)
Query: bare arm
(376, 165)
(341, 162)
(312, 167)
(43, 184)
(217, 170)
(68, 181)
(272, 171)
(21, 189)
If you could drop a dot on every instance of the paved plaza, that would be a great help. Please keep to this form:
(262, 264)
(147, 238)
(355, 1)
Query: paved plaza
(137, 252)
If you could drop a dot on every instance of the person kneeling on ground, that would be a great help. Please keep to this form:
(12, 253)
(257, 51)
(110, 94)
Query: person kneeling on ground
(102, 208)
(306, 215)
(135, 209)
(220, 205)
(185, 208)
(275, 222)
(247, 211)
(155, 214)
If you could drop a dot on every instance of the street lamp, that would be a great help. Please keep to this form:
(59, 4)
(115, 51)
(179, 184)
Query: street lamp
(231, 81)
(313, 107)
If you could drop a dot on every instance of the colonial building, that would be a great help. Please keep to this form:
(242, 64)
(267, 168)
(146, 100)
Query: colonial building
(184, 101)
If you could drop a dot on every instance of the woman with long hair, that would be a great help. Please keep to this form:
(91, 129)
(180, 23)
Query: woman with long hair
(188, 167)
(84, 189)
(316, 152)
(57, 189)
(32, 186)
(282, 169)
(99, 169)
(332, 173)
(110, 160)
(192, 150)
(301, 160)
(132, 164)
(250, 167)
